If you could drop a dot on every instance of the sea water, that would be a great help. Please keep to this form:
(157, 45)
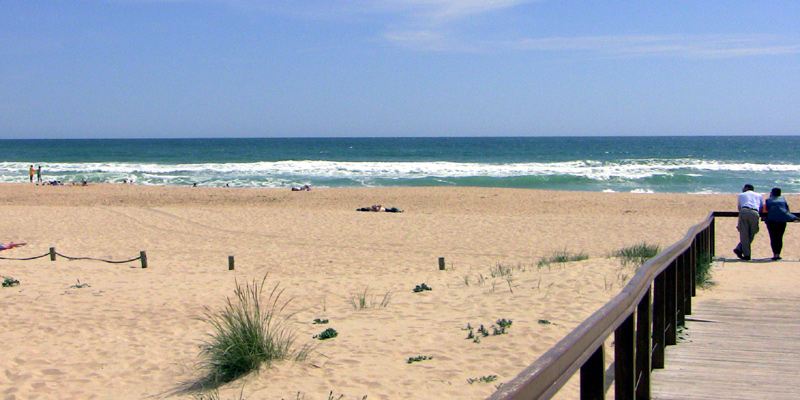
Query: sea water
(620, 164)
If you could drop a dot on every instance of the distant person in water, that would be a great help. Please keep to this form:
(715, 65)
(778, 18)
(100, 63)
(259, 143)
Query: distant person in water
(777, 216)
(11, 245)
(749, 205)
(31, 172)
(39, 174)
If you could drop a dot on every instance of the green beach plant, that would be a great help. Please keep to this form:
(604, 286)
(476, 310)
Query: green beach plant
(637, 254)
(482, 379)
(703, 272)
(412, 360)
(329, 333)
(10, 281)
(318, 321)
(249, 331)
(561, 257)
(363, 300)
(422, 288)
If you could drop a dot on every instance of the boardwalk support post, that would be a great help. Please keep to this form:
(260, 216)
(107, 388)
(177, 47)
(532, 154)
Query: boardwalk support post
(230, 263)
(643, 321)
(143, 258)
(593, 374)
(624, 369)
(659, 316)
(441, 263)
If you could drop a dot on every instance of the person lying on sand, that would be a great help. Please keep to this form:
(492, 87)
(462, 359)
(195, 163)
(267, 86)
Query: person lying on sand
(304, 188)
(379, 208)
(11, 245)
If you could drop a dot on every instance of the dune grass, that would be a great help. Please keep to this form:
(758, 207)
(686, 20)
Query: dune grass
(251, 330)
(561, 257)
(703, 272)
(364, 300)
(637, 254)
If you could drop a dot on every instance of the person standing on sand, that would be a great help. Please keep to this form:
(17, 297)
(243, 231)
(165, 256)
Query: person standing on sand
(749, 204)
(777, 216)
(31, 171)
(39, 174)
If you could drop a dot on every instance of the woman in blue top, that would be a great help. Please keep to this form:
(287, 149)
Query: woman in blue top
(777, 216)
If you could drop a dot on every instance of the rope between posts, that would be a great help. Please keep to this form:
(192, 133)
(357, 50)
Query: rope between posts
(97, 259)
(24, 259)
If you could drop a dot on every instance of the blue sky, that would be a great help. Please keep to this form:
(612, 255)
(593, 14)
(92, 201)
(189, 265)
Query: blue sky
(246, 68)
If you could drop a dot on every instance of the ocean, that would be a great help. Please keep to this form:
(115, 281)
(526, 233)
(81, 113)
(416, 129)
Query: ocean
(718, 164)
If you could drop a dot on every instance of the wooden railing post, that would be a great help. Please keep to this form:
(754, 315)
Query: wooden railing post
(681, 278)
(671, 303)
(693, 271)
(712, 233)
(52, 254)
(643, 321)
(593, 376)
(691, 258)
(659, 315)
(624, 368)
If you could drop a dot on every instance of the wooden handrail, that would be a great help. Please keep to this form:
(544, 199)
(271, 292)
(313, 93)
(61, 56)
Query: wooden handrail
(543, 378)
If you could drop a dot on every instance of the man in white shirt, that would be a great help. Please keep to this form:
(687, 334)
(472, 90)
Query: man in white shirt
(749, 206)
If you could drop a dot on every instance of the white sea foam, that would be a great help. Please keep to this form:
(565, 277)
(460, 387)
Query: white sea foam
(279, 173)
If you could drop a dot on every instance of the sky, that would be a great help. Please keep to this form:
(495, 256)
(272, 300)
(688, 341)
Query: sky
(294, 68)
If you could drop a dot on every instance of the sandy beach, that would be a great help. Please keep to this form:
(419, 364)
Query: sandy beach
(134, 333)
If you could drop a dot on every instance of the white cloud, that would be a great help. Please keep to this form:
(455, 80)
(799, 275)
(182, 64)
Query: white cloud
(694, 46)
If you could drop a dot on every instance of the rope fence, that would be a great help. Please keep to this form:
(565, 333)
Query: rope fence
(53, 254)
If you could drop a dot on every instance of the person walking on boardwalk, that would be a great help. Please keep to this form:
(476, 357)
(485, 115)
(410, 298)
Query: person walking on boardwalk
(31, 171)
(777, 216)
(749, 204)
(39, 174)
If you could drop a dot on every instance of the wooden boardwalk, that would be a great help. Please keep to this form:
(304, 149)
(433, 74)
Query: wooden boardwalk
(745, 348)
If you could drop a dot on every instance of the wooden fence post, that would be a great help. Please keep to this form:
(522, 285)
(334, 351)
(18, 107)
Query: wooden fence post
(441, 263)
(52, 254)
(143, 258)
(593, 376)
(230, 263)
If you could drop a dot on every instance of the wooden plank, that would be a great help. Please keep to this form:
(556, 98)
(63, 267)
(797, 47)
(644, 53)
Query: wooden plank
(735, 349)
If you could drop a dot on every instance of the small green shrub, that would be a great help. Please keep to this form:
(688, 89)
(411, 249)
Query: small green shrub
(10, 282)
(703, 271)
(329, 333)
(79, 285)
(544, 322)
(421, 288)
(637, 254)
(318, 321)
(418, 359)
(483, 379)
(500, 270)
(363, 300)
(504, 323)
(561, 257)
(248, 332)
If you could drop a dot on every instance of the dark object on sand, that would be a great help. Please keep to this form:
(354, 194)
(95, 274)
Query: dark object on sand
(421, 288)
(380, 208)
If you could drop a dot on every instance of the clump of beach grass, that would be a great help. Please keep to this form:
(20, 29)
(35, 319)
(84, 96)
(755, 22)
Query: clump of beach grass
(251, 330)
(363, 300)
(703, 271)
(561, 257)
(10, 281)
(636, 254)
